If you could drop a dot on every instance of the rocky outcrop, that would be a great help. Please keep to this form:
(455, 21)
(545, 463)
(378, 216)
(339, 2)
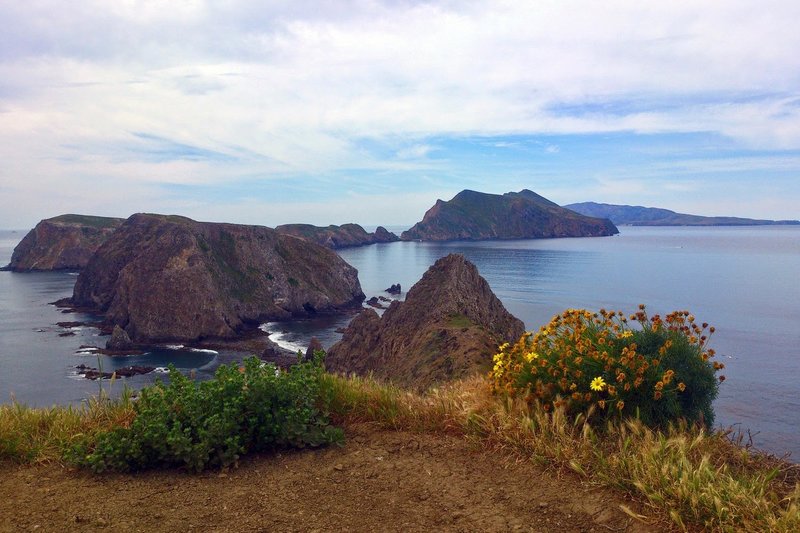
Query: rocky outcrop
(119, 340)
(474, 215)
(169, 278)
(346, 235)
(635, 215)
(64, 242)
(448, 327)
(394, 289)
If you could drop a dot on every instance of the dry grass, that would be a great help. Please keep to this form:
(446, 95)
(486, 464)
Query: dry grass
(695, 478)
(40, 435)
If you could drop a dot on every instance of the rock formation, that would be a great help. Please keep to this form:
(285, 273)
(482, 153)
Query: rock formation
(474, 215)
(119, 340)
(334, 237)
(448, 327)
(64, 242)
(394, 289)
(169, 278)
(634, 215)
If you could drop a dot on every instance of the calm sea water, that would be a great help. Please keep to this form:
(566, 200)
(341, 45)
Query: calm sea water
(743, 281)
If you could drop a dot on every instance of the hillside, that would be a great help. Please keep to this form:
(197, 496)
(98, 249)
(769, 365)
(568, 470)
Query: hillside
(334, 237)
(627, 215)
(171, 278)
(65, 242)
(472, 215)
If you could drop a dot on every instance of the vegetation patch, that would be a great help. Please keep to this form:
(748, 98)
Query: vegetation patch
(212, 423)
(459, 321)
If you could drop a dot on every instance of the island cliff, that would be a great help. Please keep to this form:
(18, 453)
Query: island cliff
(634, 215)
(474, 215)
(448, 327)
(169, 278)
(65, 242)
(334, 237)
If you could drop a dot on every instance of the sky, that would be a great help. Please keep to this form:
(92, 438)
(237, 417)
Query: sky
(369, 111)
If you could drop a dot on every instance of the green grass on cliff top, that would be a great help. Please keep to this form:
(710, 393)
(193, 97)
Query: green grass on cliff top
(88, 220)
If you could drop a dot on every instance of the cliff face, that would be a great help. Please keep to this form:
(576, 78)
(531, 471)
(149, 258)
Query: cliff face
(473, 215)
(448, 327)
(64, 242)
(631, 215)
(171, 278)
(335, 237)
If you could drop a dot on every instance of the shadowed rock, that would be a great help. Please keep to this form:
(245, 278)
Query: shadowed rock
(448, 327)
(119, 340)
(170, 278)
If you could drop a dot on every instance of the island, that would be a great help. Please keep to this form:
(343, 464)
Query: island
(169, 278)
(635, 215)
(65, 242)
(472, 215)
(334, 237)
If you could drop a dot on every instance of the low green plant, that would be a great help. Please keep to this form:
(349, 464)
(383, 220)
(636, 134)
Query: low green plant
(212, 423)
(596, 365)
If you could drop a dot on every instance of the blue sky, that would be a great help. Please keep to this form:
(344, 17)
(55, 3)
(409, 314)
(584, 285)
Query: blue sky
(277, 112)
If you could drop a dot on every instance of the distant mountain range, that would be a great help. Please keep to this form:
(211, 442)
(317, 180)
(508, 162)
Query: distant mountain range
(634, 215)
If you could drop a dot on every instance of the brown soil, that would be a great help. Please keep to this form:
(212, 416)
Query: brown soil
(379, 481)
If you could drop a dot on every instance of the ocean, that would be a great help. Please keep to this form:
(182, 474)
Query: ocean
(745, 281)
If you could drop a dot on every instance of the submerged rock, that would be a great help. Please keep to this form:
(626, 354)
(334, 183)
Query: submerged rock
(448, 327)
(170, 278)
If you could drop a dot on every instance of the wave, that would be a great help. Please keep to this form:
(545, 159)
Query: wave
(279, 338)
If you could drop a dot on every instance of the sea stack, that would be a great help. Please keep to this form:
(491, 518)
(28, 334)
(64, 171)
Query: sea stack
(449, 327)
(170, 278)
(65, 242)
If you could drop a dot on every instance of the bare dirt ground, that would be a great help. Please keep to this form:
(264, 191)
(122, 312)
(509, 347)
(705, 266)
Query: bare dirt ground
(378, 481)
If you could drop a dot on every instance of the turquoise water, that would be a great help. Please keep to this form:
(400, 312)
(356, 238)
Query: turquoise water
(744, 281)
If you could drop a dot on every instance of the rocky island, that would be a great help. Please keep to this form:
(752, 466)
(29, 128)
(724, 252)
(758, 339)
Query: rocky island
(472, 215)
(635, 215)
(448, 327)
(334, 237)
(65, 242)
(170, 278)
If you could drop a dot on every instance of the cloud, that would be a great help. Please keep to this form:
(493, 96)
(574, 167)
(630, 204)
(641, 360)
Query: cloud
(251, 91)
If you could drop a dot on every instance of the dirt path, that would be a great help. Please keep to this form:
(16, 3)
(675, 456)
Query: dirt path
(379, 481)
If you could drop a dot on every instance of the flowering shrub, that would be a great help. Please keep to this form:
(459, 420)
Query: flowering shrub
(596, 363)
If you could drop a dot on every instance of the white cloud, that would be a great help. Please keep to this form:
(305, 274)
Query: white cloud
(293, 88)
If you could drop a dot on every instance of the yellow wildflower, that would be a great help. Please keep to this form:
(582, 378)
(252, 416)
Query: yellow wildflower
(530, 356)
(626, 334)
(681, 386)
(597, 384)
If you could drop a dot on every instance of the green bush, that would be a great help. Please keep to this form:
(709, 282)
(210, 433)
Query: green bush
(595, 364)
(212, 423)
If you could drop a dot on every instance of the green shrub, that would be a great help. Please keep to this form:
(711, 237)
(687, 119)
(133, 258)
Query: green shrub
(596, 365)
(212, 423)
